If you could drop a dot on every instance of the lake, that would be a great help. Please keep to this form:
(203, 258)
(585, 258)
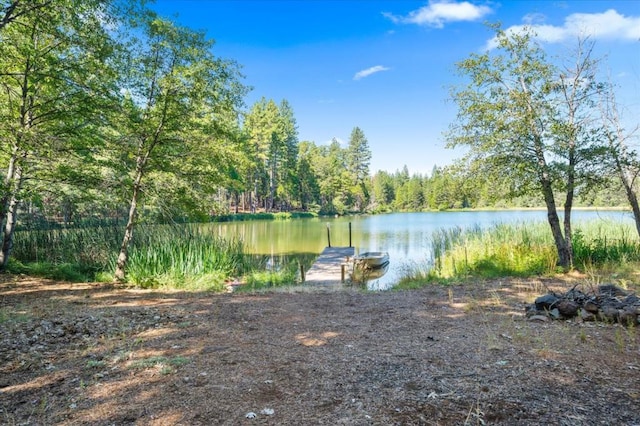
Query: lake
(406, 236)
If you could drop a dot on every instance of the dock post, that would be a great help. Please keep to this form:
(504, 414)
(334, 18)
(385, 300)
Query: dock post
(343, 268)
(328, 236)
(350, 235)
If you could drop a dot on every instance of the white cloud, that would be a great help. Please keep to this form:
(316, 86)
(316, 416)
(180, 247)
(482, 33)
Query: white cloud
(608, 25)
(437, 13)
(369, 71)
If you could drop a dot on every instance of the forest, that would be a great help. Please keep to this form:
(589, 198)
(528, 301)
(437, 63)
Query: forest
(111, 113)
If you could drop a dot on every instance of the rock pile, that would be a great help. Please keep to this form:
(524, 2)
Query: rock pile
(607, 303)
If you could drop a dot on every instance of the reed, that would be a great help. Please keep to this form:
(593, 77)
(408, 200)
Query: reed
(522, 249)
(500, 250)
(90, 246)
(182, 256)
(605, 242)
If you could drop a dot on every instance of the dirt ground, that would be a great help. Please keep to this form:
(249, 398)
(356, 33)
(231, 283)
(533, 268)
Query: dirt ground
(92, 354)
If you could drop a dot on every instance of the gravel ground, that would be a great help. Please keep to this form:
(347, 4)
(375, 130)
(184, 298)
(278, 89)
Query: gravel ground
(93, 354)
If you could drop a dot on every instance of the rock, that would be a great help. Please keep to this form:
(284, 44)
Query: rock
(546, 302)
(587, 316)
(591, 306)
(576, 295)
(530, 310)
(539, 318)
(611, 290)
(567, 308)
(608, 314)
(609, 303)
(628, 316)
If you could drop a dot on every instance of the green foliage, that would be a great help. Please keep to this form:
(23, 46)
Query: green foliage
(263, 216)
(530, 119)
(276, 272)
(107, 104)
(504, 250)
(85, 245)
(357, 159)
(273, 146)
(58, 77)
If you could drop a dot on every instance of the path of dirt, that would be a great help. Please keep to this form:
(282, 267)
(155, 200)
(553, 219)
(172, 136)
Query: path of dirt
(90, 354)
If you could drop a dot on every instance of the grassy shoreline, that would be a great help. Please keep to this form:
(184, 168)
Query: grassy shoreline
(186, 256)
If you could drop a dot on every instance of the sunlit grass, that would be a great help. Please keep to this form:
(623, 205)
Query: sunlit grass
(500, 250)
(277, 272)
(185, 257)
(522, 250)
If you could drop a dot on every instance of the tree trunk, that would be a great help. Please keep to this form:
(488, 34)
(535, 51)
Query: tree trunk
(567, 226)
(9, 180)
(123, 256)
(9, 207)
(564, 258)
(633, 200)
(631, 195)
(272, 184)
(9, 229)
(568, 204)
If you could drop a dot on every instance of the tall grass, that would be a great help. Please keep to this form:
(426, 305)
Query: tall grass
(500, 250)
(161, 255)
(88, 247)
(523, 249)
(184, 256)
(605, 242)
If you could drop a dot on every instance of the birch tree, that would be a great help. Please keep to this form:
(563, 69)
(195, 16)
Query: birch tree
(506, 114)
(622, 157)
(176, 93)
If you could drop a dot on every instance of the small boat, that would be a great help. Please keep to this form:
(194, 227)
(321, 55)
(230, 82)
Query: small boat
(362, 274)
(372, 259)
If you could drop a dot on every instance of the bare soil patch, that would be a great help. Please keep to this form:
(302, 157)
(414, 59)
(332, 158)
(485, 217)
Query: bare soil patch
(92, 354)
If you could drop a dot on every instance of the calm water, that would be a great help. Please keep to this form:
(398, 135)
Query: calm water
(406, 236)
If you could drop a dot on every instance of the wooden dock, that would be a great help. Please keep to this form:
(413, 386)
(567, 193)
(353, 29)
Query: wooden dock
(327, 269)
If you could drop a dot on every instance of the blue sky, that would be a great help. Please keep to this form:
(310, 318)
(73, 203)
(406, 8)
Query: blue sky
(387, 66)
